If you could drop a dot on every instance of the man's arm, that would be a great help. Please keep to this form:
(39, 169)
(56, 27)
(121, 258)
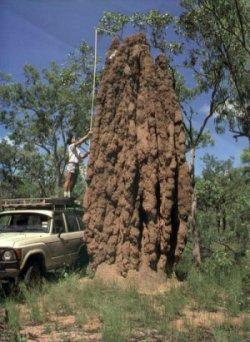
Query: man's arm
(85, 155)
(83, 139)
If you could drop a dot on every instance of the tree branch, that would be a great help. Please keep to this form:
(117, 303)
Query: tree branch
(242, 41)
(241, 25)
(45, 148)
(226, 246)
(208, 116)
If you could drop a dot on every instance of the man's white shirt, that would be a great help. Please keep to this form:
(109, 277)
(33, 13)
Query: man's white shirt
(74, 154)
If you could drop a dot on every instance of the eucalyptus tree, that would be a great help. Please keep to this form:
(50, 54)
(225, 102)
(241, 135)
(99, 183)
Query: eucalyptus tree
(223, 205)
(39, 112)
(218, 32)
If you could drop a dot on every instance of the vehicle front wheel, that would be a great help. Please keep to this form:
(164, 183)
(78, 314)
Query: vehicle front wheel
(32, 276)
(7, 289)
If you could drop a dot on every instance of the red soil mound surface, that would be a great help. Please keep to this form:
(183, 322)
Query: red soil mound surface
(139, 195)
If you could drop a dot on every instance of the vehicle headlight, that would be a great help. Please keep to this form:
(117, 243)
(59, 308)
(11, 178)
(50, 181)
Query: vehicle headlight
(9, 255)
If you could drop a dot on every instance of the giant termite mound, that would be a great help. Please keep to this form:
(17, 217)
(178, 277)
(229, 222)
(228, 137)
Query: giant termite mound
(139, 196)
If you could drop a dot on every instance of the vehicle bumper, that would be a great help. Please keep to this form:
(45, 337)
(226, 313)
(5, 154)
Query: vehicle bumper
(9, 274)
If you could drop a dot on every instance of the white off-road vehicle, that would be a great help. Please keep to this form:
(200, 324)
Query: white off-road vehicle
(38, 235)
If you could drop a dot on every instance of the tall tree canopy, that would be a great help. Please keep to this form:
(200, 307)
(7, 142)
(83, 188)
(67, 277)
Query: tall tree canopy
(220, 30)
(40, 112)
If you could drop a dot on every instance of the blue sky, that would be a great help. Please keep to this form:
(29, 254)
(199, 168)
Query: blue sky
(38, 31)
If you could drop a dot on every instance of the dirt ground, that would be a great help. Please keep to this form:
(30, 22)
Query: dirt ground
(139, 196)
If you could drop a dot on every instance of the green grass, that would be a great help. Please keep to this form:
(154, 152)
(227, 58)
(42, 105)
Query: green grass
(207, 294)
(30, 298)
(12, 316)
(212, 295)
(229, 333)
(121, 311)
(126, 312)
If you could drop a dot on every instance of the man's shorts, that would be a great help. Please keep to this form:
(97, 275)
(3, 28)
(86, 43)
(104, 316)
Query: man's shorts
(72, 168)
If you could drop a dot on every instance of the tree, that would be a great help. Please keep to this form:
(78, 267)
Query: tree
(245, 159)
(219, 30)
(213, 190)
(216, 33)
(9, 161)
(40, 112)
(223, 205)
(24, 172)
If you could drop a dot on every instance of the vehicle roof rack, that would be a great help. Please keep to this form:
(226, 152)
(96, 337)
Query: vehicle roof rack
(36, 203)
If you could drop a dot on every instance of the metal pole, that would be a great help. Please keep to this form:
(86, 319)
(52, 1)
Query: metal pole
(94, 77)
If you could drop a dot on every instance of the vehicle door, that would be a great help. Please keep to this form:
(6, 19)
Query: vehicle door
(74, 235)
(58, 242)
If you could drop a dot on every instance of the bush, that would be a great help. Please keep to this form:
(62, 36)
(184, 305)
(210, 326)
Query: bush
(218, 266)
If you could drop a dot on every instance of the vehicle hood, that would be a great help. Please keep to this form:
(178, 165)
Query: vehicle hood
(18, 239)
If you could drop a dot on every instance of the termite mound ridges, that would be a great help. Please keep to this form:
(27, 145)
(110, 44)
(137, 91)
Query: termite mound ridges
(138, 198)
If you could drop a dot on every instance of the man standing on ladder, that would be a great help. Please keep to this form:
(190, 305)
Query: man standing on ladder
(75, 157)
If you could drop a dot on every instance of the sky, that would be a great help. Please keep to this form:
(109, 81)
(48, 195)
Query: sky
(39, 31)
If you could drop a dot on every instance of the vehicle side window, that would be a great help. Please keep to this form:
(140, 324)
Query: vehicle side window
(20, 220)
(58, 225)
(5, 220)
(72, 222)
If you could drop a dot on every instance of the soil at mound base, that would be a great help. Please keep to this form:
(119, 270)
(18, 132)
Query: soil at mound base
(139, 195)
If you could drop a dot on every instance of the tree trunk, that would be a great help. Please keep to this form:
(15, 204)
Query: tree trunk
(139, 194)
(195, 232)
(58, 180)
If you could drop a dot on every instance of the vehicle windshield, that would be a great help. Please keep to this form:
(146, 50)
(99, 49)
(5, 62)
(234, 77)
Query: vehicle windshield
(24, 222)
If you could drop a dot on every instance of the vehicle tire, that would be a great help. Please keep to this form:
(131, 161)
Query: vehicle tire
(7, 289)
(32, 276)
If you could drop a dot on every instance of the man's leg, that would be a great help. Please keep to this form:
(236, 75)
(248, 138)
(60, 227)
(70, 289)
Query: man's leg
(73, 181)
(67, 184)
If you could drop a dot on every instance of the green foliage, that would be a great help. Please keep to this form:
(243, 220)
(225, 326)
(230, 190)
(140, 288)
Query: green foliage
(153, 21)
(39, 113)
(223, 219)
(245, 159)
(24, 172)
(223, 206)
(218, 32)
(219, 264)
(210, 44)
(113, 23)
(245, 156)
